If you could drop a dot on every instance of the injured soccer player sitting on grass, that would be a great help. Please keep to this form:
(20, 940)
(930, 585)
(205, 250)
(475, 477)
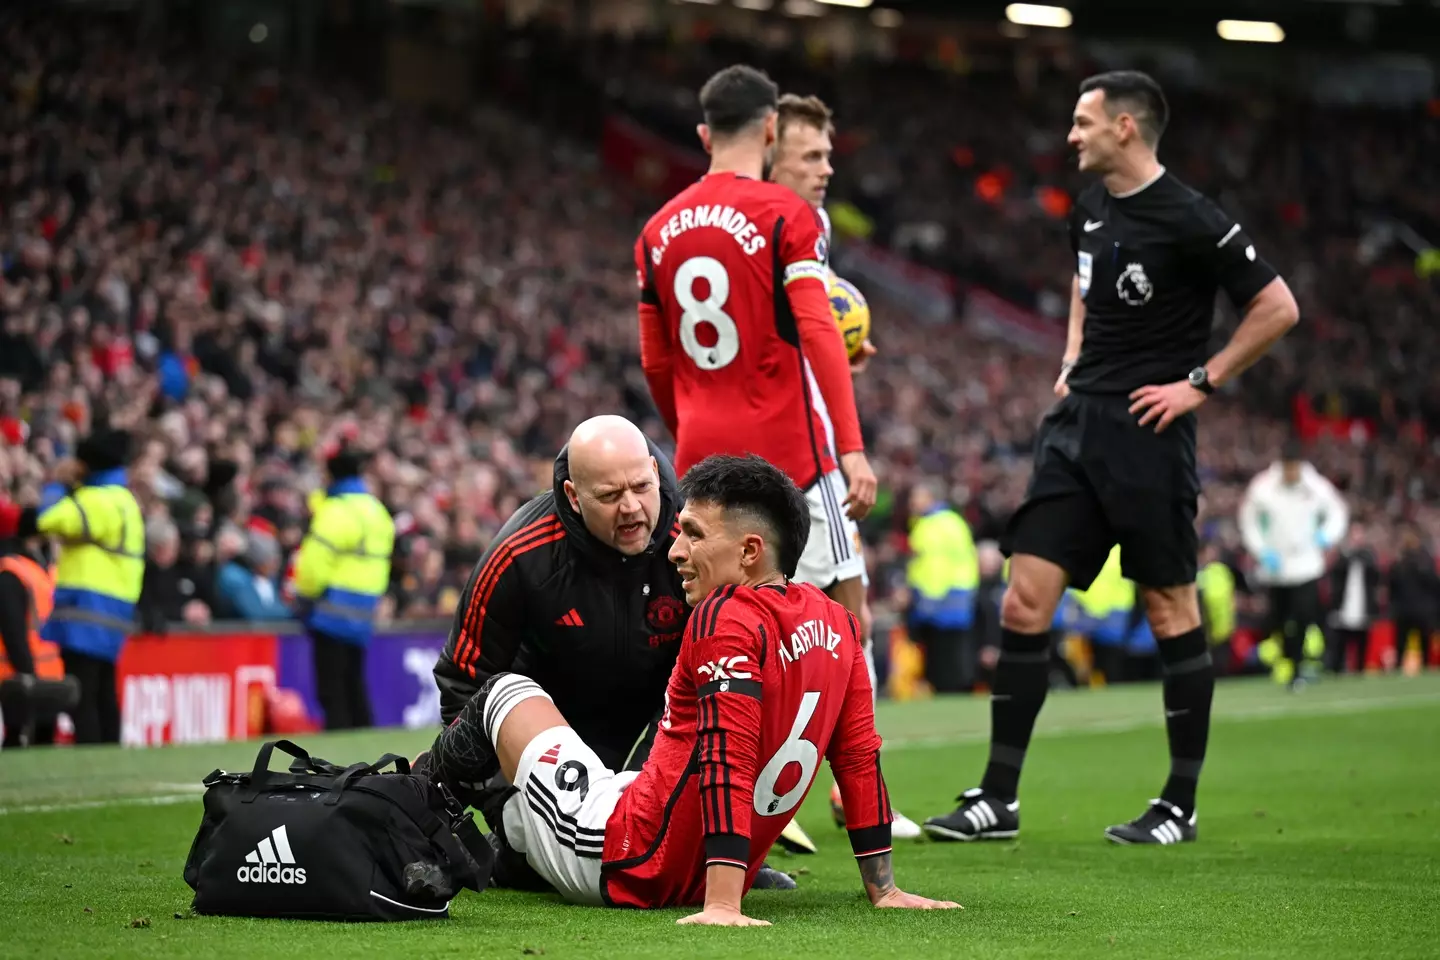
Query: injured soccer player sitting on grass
(769, 679)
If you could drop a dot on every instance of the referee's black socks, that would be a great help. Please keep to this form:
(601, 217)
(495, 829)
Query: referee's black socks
(1188, 689)
(1022, 678)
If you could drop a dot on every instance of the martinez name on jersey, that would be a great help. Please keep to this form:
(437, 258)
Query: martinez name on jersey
(810, 635)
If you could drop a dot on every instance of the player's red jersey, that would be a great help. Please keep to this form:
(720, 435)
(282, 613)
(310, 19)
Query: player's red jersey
(736, 336)
(768, 681)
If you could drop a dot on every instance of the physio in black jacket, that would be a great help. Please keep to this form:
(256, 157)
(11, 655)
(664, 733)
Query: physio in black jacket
(576, 592)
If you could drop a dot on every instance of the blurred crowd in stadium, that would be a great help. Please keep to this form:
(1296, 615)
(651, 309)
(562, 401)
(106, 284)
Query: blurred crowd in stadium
(248, 273)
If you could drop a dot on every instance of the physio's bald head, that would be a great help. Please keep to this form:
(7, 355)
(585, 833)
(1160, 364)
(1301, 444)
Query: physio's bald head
(601, 442)
(614, 482)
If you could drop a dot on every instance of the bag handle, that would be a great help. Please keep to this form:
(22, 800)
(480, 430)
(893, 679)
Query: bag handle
(260, 776)
(473, 871)
(262, 759)
(316, 766)
(469, 854)
(402, 765)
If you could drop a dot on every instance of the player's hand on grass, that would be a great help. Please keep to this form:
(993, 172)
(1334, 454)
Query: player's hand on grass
(1163, 404)
(721, 917)
(863, 485)
(900, 900)
(878, 875)
(861, 360)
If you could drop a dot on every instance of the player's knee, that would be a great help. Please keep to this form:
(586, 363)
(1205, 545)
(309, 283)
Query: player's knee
(1022, 610)
(517, 711)
(1029, 602)
(1171, 611)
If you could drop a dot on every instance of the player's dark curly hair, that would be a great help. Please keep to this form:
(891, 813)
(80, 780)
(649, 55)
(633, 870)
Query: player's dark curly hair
(736, 97)
(756, 487)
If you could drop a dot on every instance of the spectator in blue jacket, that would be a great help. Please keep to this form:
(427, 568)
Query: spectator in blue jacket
(248, 586)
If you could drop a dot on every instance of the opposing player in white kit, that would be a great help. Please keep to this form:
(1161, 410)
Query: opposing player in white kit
(834, 557)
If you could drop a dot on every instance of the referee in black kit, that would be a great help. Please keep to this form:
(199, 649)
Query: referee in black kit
(1115, 458)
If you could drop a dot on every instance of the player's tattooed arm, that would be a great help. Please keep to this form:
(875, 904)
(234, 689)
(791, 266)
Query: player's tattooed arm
(880, 885)
(878, 875)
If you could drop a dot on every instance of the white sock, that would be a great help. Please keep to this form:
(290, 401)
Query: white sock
(508, 693)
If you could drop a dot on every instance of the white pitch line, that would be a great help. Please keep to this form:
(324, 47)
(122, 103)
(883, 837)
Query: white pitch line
(1265, 711)
(1280, 708)
(162, 800)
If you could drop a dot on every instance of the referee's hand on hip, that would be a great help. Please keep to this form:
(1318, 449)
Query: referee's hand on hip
(1164, 403)
(1062, 385)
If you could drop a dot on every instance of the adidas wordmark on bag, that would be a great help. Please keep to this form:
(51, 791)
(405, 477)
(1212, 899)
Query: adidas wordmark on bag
(271, 859)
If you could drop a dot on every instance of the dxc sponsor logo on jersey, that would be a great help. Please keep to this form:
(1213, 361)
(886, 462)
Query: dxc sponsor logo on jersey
(810, 635)
(726, 669)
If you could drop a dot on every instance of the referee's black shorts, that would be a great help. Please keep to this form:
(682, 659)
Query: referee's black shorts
(1100, 479)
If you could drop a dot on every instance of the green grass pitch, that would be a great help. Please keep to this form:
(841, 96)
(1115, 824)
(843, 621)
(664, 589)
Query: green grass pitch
(1319, 837)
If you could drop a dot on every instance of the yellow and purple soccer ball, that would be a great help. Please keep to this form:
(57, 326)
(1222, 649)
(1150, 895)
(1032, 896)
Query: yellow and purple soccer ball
(851, 312)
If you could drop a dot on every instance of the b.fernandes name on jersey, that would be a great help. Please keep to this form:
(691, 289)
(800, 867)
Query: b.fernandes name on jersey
(729, 219)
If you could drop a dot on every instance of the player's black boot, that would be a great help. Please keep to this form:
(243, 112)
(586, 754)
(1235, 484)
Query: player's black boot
(980, 816)
(1161, 823)
(768, 878)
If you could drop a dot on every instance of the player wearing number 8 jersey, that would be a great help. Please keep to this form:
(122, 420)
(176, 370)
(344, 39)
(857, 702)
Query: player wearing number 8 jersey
(770, 678)
(737, 341)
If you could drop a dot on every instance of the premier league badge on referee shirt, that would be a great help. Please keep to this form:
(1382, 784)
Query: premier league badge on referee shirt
(1133, 286)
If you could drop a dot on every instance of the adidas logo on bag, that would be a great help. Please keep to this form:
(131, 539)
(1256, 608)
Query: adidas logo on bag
(271, 863)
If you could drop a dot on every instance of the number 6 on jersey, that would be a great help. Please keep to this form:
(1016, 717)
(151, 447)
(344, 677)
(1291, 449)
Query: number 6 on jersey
(795, 749)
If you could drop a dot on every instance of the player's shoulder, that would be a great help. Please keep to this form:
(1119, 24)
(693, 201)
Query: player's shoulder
(1264, 482)
(796, 603)
(790, 205)
(760, 200)
(1314, 478)
(1192, 212)
(787, 200)
(764, 196)
(728, 608)
(703, 190)
(667, 210)
(810, 596)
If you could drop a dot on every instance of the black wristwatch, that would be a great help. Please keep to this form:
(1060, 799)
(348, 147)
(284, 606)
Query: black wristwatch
(1200, 379)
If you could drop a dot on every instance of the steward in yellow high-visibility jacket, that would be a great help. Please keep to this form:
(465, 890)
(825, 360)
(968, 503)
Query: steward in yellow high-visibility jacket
(943, 575)
(342, 571)
(1217, 601)
(944, 569)
(1107, 604)
(94, 516)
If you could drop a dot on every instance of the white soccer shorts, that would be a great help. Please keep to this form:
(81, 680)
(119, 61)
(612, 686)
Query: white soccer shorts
(558, 818)
(833, 553)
